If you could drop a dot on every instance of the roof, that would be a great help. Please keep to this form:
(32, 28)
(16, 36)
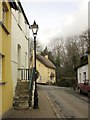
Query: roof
(45, 61)
(83, 61)
(13, 4)
(81, 65)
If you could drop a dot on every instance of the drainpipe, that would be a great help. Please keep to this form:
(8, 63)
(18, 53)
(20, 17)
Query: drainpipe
(28, 53)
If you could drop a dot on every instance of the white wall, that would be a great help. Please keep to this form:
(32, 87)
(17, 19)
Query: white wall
(89, 66)
(18, 38)
(82, 70)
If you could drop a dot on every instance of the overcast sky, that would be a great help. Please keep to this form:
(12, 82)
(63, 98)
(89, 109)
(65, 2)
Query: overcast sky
(57, 17)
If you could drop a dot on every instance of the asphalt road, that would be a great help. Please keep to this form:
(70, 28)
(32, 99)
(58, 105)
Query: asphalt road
(67, 102)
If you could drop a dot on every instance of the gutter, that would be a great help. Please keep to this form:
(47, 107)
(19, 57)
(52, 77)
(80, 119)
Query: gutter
(13, 4)
(80, 65)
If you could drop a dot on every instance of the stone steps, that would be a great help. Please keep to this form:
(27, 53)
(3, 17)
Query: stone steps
(21, 98)
(22, 92)
(22, 84)
(21, 108)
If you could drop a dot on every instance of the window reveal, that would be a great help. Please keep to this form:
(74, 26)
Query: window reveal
(4, 13)
(0, 67)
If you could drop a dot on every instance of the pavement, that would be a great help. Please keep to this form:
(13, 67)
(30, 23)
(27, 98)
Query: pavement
(45, 110)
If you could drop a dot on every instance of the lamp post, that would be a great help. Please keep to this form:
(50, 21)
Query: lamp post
(34, 28)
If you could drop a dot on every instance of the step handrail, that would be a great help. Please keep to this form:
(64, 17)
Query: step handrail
(31, 86)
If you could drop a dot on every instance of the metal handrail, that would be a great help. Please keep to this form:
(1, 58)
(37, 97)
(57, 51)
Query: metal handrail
(31, 86)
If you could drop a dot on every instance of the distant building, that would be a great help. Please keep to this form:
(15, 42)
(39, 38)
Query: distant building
(83, 70)
(46, 69)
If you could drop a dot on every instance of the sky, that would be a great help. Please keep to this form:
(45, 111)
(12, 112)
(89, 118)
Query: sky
(57, 18)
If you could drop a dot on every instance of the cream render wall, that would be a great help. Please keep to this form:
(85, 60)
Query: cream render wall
(7, 88)
(18, 38)
(0, 40)
(0, 9)
(0, 29)
(44, 73)
(0, 101)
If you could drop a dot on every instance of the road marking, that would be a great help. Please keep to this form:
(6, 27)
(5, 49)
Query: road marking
(54, 110)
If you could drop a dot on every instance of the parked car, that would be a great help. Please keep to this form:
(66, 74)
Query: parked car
(84, 87)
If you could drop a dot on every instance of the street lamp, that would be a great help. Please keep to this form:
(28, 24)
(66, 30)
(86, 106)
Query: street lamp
(34, 28)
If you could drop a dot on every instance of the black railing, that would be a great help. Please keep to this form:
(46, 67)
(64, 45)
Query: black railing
(24, 74)
(31, 86)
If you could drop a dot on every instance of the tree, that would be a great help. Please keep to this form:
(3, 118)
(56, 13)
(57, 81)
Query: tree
(84, 42)
(45, 51)
(66, 55)
(49, 53)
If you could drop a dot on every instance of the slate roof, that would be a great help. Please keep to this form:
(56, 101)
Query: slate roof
(83, 61)
(45, 61)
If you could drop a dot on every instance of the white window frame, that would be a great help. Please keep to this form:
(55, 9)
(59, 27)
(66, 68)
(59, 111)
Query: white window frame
(25, 59)
(0, 67)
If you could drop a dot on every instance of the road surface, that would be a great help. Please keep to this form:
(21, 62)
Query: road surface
(67, 102)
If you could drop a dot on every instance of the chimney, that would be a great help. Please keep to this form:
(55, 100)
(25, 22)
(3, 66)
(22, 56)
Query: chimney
(46, 56)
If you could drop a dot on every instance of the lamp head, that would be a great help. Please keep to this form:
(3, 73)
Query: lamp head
(34, 28)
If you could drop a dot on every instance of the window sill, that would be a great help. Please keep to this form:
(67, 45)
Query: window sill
(3, 83)
(4, 27)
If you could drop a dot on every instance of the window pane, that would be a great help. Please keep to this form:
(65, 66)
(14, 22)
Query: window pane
(0, 67)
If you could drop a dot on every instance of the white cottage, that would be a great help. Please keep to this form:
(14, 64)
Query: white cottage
(83, 70)
(19, 41)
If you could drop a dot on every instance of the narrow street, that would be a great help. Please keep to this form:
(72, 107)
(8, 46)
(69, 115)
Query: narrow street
(67, 102)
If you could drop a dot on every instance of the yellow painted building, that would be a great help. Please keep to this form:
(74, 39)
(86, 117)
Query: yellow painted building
(6, 86)
(46, 69)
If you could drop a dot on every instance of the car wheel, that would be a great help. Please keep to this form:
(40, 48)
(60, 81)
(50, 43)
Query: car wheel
(80, 91)
(89, 94)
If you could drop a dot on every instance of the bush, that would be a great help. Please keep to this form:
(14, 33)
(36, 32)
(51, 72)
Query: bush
(66, 82)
